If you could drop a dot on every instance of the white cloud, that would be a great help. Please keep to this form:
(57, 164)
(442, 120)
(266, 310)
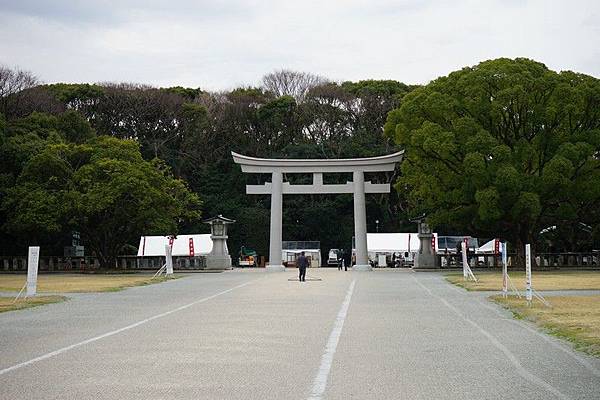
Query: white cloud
(221, 44)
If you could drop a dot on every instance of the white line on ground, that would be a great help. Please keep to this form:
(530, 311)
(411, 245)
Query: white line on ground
(511, 357)
(320, 382)
(111, 333)
(553, 342)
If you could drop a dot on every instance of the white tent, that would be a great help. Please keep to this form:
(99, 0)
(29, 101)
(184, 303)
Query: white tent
(154, 246)
(488, 248)
(393, 242)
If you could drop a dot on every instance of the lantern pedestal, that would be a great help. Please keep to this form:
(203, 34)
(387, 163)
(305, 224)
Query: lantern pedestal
(215, 262)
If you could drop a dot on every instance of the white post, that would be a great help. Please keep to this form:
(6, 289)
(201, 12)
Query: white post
(275, 255)
(504, 269)
(360, 222)
(465, 262)
(32, 270)
(528, 288)
(169, 259)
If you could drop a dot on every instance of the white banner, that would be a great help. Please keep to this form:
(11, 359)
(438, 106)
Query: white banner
(528, 289)
(504, 250)
(33, 259)
(169, 259)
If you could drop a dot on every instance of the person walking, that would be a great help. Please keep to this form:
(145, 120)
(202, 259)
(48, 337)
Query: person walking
(346, 260)
(302, 263)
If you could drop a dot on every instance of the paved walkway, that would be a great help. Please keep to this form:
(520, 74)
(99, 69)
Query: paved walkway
(252, 335)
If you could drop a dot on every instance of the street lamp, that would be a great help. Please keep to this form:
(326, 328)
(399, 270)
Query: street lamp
(377, 225)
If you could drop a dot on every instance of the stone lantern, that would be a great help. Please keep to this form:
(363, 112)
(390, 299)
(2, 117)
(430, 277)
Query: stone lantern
(219, 257)
(426, 257)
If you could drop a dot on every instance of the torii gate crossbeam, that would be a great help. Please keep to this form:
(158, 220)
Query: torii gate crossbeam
(358, 187)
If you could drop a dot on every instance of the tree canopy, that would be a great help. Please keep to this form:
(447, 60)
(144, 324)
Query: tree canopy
(103, 189)
(502, 149)
(505, 148)
(193, 132)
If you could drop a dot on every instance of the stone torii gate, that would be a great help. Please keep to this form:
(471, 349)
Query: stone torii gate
(277, 188)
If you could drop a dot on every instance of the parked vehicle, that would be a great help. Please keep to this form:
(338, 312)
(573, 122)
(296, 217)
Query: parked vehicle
(248, 257)
(334, 258)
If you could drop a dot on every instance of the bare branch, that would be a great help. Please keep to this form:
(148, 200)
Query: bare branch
(285, 82)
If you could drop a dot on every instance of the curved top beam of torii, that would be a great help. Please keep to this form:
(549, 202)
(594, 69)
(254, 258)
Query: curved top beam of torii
(291, 165)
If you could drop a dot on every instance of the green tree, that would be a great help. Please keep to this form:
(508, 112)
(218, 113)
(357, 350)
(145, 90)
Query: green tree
(505, 149)
(103, 189)
(74, 127)
(82, 97)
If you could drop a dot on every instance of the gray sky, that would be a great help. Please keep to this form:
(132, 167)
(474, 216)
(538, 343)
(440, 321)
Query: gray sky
(217, 45)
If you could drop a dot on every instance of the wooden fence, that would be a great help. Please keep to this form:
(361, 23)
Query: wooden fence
(83, 264)
(542, 260)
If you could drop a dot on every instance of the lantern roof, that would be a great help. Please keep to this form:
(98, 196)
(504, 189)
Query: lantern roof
(219, 218)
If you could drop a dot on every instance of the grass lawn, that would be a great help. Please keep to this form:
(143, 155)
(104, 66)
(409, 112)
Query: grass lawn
(79, 283)
(8, 303)
(541, 280)
(575, 318)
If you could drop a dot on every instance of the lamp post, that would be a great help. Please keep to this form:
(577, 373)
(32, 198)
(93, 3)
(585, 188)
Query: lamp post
(219, 257)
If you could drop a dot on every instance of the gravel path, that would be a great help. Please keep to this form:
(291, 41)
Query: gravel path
(253, 335)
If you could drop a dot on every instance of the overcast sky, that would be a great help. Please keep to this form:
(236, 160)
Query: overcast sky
(218, 45)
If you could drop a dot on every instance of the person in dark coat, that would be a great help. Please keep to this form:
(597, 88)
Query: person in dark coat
(302, 263)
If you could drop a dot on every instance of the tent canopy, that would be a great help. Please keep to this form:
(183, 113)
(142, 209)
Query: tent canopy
(488, 248)
(154, 246)
(393, 242)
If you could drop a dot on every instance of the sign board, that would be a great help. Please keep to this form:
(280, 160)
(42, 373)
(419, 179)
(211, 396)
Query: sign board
(528, 288)
(464, 259)
(504, 269)
(33, 259)
(169, 259)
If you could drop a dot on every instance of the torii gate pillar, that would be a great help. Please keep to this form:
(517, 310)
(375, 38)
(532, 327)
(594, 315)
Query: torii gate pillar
(360, 222)
(358, 187)
(275, 251)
